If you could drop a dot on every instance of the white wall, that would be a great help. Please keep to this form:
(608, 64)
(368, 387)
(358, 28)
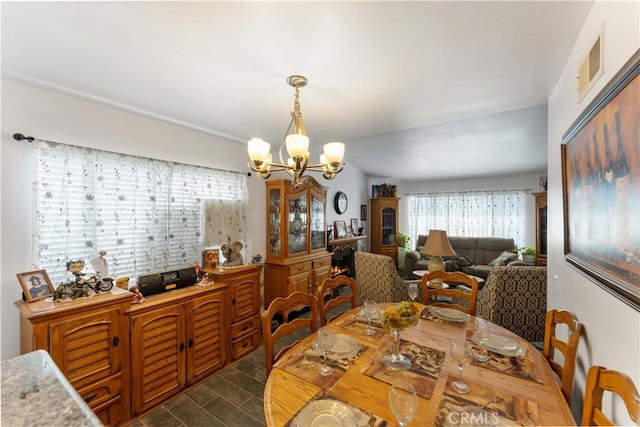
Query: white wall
(51, 116)
(611, 335)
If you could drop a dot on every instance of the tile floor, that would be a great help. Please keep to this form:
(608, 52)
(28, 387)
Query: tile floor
(232, 397)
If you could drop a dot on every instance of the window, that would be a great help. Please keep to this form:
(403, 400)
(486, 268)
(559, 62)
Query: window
(473, 214)
(146, 213)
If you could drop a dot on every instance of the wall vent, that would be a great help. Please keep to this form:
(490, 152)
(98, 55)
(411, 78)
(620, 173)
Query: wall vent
(591, 67)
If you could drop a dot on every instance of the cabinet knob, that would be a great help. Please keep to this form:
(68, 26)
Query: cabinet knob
(116, 341)
(181, 346)
(90, 397)
(190, 342)
(233, 301)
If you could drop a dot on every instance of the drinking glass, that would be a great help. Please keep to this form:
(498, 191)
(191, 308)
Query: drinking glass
(369, 311)
(481, 334)
(325, 338)
(403, 402)
(413, 291)
(462, 356)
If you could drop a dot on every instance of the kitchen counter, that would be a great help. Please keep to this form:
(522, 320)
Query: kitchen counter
(36, 393)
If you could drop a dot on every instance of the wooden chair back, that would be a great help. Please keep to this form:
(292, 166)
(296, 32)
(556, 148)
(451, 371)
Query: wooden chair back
(600, 379)
(569, 349)
(282, 307)
(455, 293)
(328, 298)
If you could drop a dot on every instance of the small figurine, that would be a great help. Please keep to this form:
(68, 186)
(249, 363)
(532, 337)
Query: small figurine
(138, 298)
(100, 264)
(231, 252)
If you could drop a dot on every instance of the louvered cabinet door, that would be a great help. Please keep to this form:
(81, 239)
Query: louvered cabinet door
(158, 356)
(88, 349)
(206, 335)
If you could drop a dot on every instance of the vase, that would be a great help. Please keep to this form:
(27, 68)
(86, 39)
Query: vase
(395, 360)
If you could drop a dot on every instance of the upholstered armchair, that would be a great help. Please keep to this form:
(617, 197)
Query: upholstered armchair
(379, 280)
(516, 299)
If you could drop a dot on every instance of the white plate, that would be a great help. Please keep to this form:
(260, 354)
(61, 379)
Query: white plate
(451, 315)
(501, 345)
(344, 347)
(326, 413)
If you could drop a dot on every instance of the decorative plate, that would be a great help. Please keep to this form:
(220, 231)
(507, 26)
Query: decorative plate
(451, 315)
(326, 413)
(501, 345)
(344, 347)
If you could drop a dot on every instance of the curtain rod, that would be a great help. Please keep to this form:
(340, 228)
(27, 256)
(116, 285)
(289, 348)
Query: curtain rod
(21, 137)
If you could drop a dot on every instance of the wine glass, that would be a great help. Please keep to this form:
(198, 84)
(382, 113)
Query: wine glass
(481, 334)
(413, 291)
(462, 356)
(325, 337)
(369, 311)
(403, 402)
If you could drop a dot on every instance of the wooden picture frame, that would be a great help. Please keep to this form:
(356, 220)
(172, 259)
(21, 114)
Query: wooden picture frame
(210, 258)
(354, 225)
(601, 187)
(340, 229)
(36, 285)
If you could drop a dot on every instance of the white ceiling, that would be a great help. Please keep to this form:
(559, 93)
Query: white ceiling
(417, 90)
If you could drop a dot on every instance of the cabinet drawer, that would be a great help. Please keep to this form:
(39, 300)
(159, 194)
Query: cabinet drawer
(242, 328)
(242, 346)
(320, 263)
(300, 268)
(102, 391)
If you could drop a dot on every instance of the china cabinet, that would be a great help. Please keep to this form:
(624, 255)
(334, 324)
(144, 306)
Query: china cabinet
(384, 223)
(541, 227)
(297, 257)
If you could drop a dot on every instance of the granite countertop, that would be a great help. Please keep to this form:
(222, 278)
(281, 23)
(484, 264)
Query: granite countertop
(36, 393)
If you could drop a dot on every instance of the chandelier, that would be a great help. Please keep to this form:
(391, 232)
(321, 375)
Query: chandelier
(297, 144)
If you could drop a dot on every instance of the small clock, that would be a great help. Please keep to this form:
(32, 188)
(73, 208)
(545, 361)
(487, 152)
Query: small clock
(341, 202)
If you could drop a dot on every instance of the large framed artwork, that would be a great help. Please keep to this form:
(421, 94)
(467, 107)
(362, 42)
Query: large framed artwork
(601, 187)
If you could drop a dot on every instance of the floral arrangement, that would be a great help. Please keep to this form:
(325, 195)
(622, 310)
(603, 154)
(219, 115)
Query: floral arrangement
(400, 316)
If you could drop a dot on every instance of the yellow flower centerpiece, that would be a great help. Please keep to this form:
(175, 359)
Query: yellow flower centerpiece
(395, 318)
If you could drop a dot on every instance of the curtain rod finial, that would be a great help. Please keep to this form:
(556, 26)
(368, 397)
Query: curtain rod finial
(21, 137)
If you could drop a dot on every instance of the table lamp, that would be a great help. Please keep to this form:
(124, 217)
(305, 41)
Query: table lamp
(436, 247)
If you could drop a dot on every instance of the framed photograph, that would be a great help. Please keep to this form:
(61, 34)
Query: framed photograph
(340, 229)
(354, 226)
(375, 191)
(543, 183)
(601, 187)
(210, 257)
(363, 212)
(36, 285)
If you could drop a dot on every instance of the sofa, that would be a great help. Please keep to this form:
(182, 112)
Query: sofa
(516, 299)
(379, 280)
(475, 255)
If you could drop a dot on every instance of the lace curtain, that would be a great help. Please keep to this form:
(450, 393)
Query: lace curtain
(473, 214)
(146, 213)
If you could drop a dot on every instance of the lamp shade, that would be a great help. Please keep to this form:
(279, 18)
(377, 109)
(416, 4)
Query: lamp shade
(297, 145)
(437, 244)
(258, 149)
(334, 152)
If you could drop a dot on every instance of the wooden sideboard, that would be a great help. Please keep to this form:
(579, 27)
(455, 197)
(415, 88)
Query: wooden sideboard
(126, 359)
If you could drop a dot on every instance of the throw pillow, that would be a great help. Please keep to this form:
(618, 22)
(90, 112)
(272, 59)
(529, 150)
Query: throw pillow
(458, 263)
(504, 258)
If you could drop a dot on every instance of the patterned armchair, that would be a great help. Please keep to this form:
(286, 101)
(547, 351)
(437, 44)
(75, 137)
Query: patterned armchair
(516, 299)
(378, 279)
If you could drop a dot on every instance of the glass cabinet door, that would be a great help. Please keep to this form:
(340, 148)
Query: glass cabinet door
(297, 222)
(275, 196)
(388, 226)
(318, 234)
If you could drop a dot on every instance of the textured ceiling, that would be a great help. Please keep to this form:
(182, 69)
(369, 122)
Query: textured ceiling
(407, 85)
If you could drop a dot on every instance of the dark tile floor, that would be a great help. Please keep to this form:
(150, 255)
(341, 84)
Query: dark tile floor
(232, 397)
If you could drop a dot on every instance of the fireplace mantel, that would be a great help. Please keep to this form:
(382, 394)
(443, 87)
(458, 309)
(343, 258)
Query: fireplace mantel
(344, 241)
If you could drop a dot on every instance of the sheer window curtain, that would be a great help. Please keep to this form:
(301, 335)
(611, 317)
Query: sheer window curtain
(146, 213)
(473, 214)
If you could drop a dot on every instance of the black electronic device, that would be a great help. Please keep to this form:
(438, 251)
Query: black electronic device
(156, 283)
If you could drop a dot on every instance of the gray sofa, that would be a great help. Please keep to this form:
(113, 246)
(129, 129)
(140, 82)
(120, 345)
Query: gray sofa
(475, 255)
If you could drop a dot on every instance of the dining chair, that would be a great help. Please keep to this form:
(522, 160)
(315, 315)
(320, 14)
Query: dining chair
(599, 380)
(568, 348)
(378, 279)
(330, 296)
(280, 309)
(461, 294)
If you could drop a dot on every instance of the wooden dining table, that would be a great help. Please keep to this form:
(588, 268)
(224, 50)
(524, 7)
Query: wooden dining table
(521, 390)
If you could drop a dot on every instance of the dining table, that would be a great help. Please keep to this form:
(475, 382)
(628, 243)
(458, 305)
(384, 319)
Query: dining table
(510, 381)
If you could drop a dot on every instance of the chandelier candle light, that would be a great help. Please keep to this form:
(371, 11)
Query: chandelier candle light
(436, 247)
(297, 144)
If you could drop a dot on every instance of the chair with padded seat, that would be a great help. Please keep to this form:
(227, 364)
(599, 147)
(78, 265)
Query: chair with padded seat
(568, 348)
(599, 380)
(461, 294)
(378, 279)
(280, 309)
(330, 295)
